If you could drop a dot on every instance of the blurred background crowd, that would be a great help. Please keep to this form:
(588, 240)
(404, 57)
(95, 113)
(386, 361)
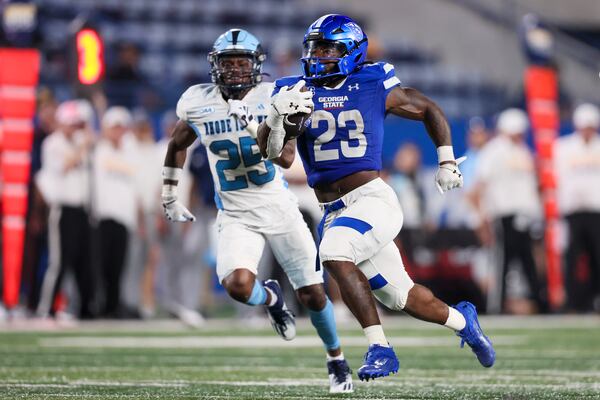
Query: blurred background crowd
(98, 246)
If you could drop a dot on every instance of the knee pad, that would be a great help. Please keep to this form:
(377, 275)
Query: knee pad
(392, 296)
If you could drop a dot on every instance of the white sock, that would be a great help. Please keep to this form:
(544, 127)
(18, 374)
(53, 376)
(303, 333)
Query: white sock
(455, 320)
(375, 335)
(273, 297)
(335, 358)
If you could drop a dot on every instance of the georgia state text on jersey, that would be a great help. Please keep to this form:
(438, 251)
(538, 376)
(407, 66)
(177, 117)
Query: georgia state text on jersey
(346, 132)
(241, 176)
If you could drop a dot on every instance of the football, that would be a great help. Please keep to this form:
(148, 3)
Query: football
(295, 124)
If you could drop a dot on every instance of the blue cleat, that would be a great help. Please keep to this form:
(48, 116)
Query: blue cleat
(282, 319)
(379, 361)
(473, 335)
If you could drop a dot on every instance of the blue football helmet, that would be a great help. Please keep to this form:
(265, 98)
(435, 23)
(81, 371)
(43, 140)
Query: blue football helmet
(236, 42)
(334, 45)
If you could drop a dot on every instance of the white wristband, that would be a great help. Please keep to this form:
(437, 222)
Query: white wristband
(172, 174)
(445, 153)
(169, 192)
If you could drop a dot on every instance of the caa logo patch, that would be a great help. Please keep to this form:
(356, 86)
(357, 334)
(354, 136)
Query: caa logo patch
(201, 112)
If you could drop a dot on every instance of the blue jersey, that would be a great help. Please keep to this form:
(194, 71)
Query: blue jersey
(345, 133)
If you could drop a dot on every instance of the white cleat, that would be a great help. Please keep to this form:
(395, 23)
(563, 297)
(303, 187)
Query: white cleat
(340, 377)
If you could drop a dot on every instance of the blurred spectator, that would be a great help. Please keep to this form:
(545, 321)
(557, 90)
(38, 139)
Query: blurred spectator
(124, 79)
(45, 124)
(64, 183)
(126, 68)
(477, 137)
(36, 238)
(578, 173)
(180, 267)
(453, 210)
(405, 180)
(145, 249)
(115, 202)
(506, 193)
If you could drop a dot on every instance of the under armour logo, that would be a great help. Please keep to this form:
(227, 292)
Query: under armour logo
(294, 106)
(352, 87)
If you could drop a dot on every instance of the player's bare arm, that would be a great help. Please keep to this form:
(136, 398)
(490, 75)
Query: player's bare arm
(262, 136)
(286, 158)
(411, 104)
(182, 137)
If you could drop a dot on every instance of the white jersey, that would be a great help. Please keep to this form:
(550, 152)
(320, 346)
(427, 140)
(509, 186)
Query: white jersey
(243, 180)
(578, 170)
(507, 171)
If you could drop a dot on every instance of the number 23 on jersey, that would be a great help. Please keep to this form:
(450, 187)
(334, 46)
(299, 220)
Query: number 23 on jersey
(353, 147)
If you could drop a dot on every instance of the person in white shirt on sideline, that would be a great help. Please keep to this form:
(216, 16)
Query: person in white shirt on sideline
(144, 250)
(506, 194)
(179, 272)
(115, 202)
(64, 183)
(406, 180)
(577, 158)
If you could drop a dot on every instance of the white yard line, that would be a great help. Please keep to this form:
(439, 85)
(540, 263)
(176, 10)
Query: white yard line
(226, 342)
(405, 373)
(415, 381)
(86, 383)
(390, 322)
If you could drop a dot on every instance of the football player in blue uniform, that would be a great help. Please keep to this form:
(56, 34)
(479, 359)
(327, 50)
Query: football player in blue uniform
(341, 152)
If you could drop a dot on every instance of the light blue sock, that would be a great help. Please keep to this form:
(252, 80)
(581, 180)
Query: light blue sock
(324, 323)
(258, 296)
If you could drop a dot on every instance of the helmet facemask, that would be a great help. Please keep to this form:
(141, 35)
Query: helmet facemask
(321, 59)
(234, 70)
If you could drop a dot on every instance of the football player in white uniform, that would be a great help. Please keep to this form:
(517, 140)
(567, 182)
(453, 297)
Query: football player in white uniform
(254, 203)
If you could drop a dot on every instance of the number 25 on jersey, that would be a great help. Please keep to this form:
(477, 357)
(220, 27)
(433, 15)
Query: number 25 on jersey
(249, 156)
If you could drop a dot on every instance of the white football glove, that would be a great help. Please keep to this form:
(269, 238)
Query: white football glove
(287, 101)
(239, 109)
(174, 210)
(290, 101)
(448, 176)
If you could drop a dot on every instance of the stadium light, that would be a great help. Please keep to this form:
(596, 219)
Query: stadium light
(90, 56)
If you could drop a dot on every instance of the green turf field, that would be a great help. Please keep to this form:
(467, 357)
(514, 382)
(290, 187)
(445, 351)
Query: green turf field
(555, 358)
